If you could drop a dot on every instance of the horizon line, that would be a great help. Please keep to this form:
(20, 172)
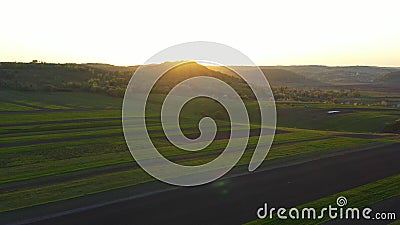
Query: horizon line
(261, 65)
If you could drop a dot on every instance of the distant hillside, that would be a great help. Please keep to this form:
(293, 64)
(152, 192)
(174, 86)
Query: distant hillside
(112, 80)
(104, 78)
(390, 78)
(282, 77)
(347, 75)
(37, 76)
(188, 70)
(62, 77)
(111, 68)
(276, 76)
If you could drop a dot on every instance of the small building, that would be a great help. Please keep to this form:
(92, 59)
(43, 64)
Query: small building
(398, 105)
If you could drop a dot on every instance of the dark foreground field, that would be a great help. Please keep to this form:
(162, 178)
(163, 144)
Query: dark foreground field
(234, 200)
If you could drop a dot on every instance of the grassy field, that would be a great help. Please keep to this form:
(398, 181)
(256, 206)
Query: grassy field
(64, 99)
(57, 146)
(359, 120)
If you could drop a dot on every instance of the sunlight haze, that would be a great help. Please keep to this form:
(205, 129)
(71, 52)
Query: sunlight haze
(269, 32)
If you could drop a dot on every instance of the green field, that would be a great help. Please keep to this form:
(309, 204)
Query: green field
(69, 144)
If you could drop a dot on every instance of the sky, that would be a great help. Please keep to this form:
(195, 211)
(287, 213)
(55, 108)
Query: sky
(269, 32)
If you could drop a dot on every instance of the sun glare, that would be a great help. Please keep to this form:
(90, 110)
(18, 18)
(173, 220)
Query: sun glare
(270, 32)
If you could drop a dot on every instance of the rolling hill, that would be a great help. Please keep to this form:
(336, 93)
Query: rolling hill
(276, 76)
(390, 78)
(103, 77)
(341, 75)
(95, 77)
(188, 70)
(35, 76)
